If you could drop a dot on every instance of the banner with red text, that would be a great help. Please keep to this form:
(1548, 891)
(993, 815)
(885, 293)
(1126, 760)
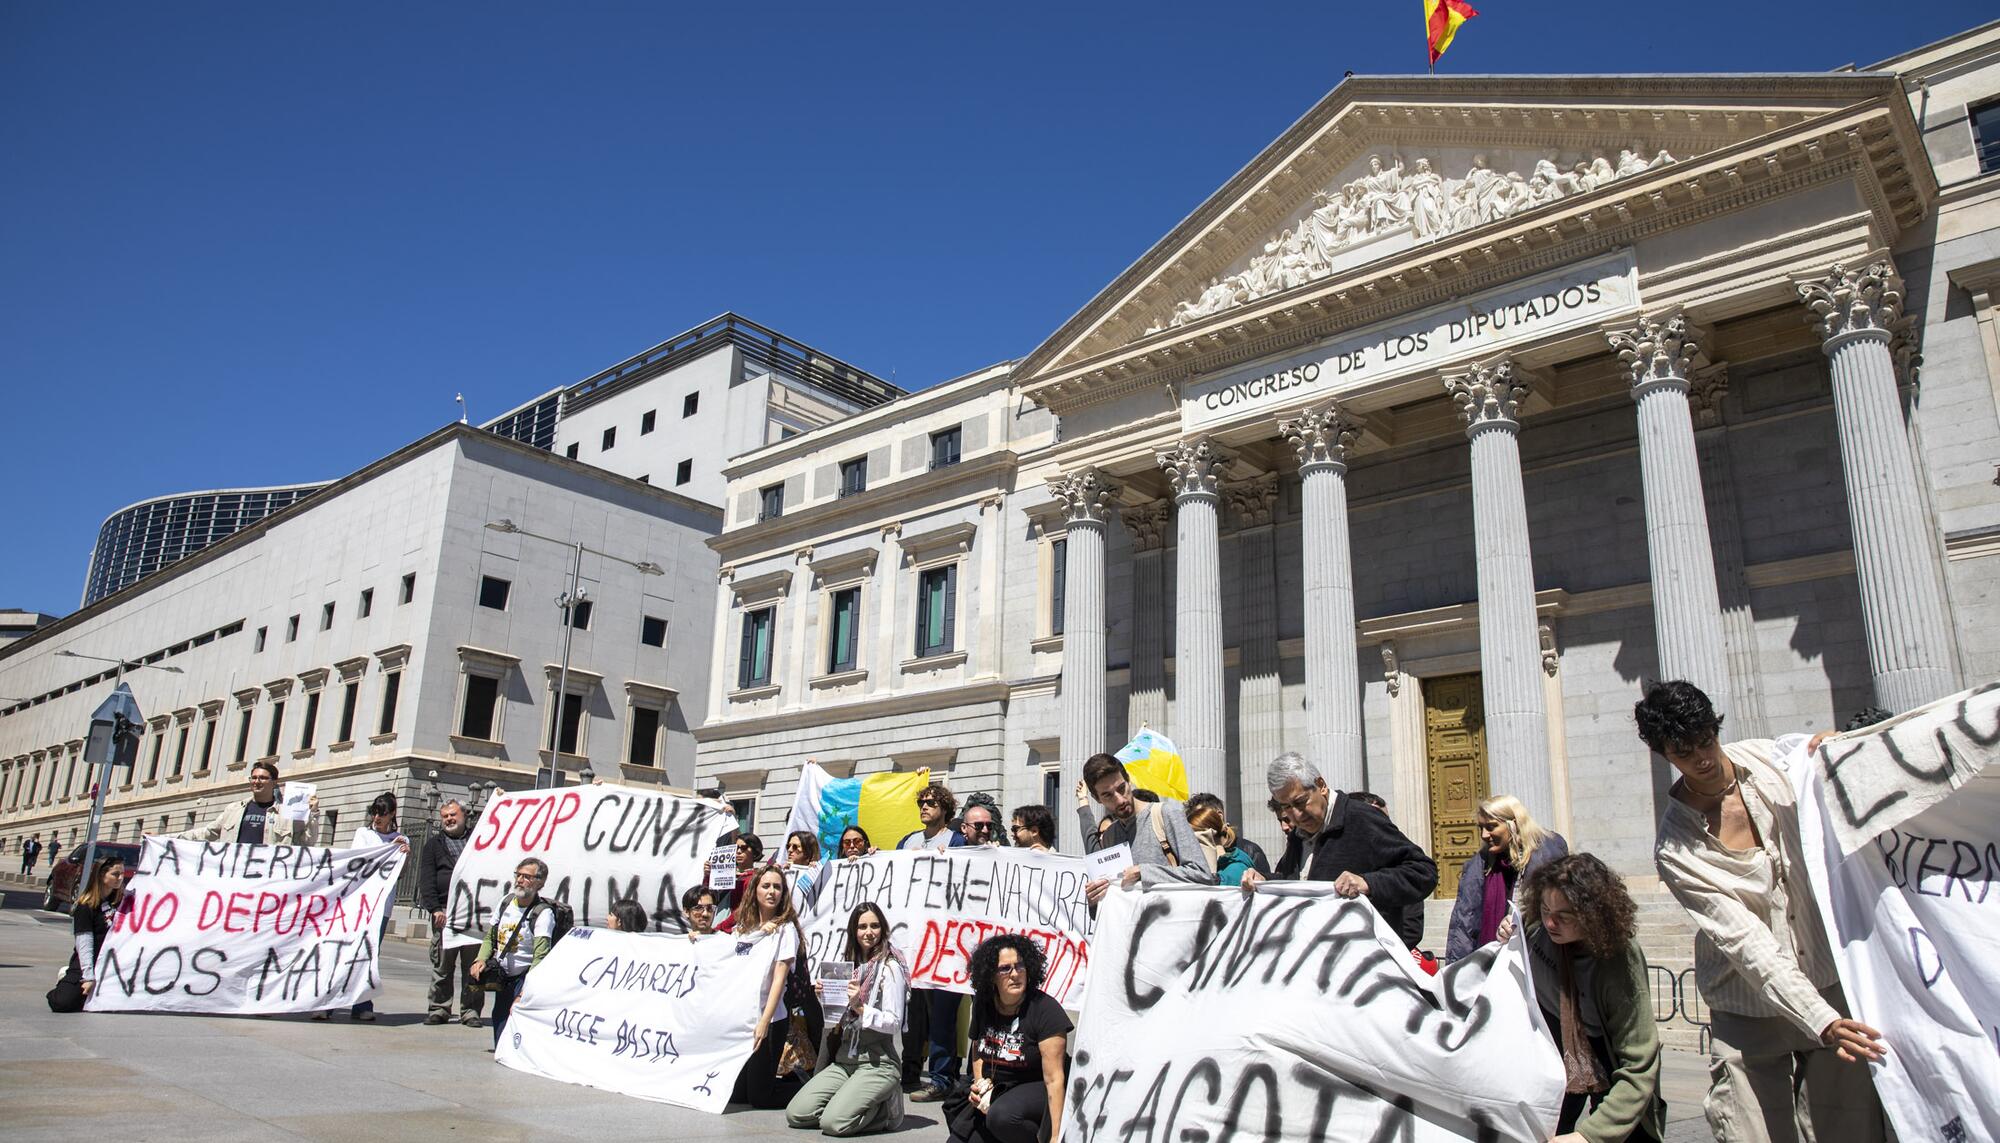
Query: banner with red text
(942, 903)
(247, 929)
(602, 844)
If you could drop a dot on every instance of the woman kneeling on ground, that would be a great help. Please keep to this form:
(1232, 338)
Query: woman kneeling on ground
(90, 921)
(1590, 977)
(1017, 1042)
(861, 1087)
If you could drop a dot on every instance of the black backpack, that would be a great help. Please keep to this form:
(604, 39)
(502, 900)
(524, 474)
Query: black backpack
(562, 918)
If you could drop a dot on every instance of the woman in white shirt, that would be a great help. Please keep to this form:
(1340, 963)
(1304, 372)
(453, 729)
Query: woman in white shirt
(861, 1087)
(380, 830)
(766, 920)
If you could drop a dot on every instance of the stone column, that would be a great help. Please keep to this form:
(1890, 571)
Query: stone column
(1725, 536)
(1086, 499)
(721, 680)
(1147, 702)
(1687, 612)
(797, 666)
(1194, 468)
(1510, 658)
(986, 655)
(1322, 437)
(886, 670)
(1260, 692)
(1859, 313)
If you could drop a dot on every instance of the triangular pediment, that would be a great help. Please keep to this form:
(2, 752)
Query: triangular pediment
(1385, 166)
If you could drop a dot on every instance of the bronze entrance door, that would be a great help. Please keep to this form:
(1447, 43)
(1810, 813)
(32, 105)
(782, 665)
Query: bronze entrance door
(1455, 747)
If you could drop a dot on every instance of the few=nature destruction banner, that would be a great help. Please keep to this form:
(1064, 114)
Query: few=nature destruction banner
(1289, 1015)
(247, 929)
(602, 844)
(1901, 831)
(652, 1015)
(942, 903)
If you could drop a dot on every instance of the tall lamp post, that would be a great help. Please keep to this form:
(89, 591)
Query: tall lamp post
(566, 604)
(104, 772)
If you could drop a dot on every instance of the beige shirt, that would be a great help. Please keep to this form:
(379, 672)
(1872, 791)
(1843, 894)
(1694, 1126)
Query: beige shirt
(1759, 946)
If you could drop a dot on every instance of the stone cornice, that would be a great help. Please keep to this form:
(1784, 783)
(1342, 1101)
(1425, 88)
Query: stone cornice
(1865, 142)
(889, 502)
(821, 714)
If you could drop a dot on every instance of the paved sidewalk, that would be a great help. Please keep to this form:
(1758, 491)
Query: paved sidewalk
(161, 1077)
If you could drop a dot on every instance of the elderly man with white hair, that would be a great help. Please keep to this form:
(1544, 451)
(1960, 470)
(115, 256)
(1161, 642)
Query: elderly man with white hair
(1335, 838)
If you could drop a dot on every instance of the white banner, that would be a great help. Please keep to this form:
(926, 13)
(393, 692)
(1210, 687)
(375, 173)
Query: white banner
(1914, 913)
(651, 1015)
(247, 929)
(1294, 1015)
(602, 844)
(942, 903)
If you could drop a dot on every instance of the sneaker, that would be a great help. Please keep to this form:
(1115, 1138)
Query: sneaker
(366, 1016)
(928, 1093)
(437, 1018)
(472, 1020)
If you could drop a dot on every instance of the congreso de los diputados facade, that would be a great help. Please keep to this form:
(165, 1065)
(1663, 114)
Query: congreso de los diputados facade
(1466, 408)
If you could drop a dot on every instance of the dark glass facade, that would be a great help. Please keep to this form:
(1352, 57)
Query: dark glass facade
(140, 540)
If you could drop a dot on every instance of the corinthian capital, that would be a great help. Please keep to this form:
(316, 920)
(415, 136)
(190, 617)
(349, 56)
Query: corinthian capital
(1489, 395)
(1864, 301)
(1194, 466)
(1321, 435)
(1147, 525)
(1085, 495)
(1658, 352)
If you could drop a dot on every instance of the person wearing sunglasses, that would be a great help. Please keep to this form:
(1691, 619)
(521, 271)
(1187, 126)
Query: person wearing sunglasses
(698, 911)
(931, 1074)
(380, 830)
(1019, 1036)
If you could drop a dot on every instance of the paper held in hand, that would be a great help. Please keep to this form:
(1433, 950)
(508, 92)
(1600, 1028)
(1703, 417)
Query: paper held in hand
(1108, 864)
(298, 800)
(722, 868)
(834, 978)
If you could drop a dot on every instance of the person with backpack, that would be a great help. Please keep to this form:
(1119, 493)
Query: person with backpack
(524, 929)
(1164, 847)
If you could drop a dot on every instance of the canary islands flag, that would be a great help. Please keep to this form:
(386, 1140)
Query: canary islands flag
(1153, 762)
(883, 805)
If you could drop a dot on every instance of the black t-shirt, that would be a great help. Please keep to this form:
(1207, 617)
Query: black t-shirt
(250, 831)
(1011, 1045)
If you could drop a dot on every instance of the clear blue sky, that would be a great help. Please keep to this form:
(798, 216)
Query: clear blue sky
(261, 243)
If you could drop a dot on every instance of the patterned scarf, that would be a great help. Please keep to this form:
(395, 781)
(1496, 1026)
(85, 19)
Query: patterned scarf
(1581, 1070)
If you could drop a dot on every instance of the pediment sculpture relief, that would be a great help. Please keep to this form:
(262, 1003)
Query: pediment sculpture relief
(1392, 197)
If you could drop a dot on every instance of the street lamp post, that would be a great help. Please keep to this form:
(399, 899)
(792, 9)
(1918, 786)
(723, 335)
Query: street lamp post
(566, 604)
(110, 759)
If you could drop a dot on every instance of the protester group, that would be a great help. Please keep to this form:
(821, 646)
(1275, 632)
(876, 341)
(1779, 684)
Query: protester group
(842, 1052)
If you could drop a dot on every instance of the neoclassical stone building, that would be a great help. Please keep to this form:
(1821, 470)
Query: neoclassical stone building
(1466, 408)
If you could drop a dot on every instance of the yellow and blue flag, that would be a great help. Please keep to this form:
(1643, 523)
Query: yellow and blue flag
(883, 805)
(1153, 762)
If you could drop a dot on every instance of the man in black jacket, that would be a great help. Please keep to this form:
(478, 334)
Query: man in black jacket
(1356, 847)
(434, 893)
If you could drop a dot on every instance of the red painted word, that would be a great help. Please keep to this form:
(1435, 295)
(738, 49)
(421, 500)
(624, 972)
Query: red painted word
(536, 817)
(946, 950)
(285, 913)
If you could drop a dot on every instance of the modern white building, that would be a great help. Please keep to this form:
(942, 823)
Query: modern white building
(396, 631)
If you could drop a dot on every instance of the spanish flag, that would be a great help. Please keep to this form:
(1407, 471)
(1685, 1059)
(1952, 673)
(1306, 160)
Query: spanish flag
(1441, 21)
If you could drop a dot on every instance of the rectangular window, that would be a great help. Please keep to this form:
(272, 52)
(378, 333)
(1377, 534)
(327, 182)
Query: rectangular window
(610, 439)
(392, 686)
(1986, 136)
(181, 750)
(645, 735)
(571, 451)
(937, 607)
(845, 633)
(572, 719)
(771, 502)
(242, 737)
(207, 744)
(1058, 583)
(944, 448)
(646, 421)
(367, 602)
(261, 633)
(579, 615)
(326, 617)
(312, 721)
(350, 696)
(292, 629)
(493, 592)
(409, 587)
(152, 768)
(753, 666)
(683, 472)
(653, 631)
(854, 476)
(277, 728)
(482, 696)
(689, 404)
(746, 813)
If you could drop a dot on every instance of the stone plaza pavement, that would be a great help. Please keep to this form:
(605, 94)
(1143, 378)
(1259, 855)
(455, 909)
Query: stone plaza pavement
(161, 1077)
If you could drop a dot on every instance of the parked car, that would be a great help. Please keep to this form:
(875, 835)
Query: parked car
(61, 892)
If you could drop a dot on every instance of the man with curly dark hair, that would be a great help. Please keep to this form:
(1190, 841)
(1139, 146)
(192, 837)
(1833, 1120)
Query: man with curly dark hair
(1730, 853)
(1590, 977)
(1018, 1040)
